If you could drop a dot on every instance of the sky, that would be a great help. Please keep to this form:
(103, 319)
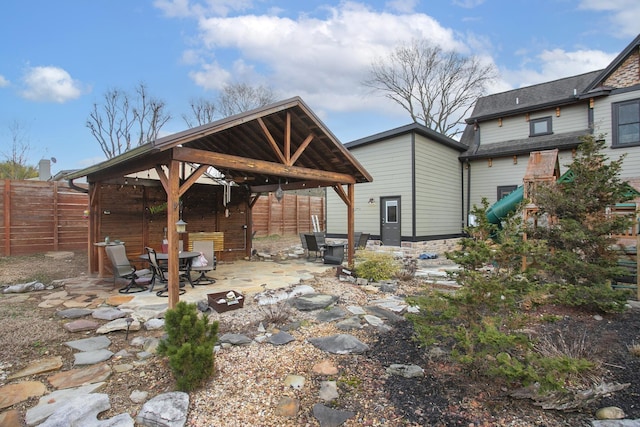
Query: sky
(59, 58)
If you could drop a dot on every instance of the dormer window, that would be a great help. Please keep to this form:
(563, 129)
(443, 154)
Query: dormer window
(540, 126)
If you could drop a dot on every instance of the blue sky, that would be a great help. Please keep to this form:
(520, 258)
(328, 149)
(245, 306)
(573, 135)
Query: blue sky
(60, 57)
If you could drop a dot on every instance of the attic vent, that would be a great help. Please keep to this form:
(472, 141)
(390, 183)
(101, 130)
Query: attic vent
(517, 100)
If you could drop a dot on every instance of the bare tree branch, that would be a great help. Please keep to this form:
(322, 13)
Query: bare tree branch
(240, 97)
(15, 165)
(112, 124)
(435, 87)
(203, 111)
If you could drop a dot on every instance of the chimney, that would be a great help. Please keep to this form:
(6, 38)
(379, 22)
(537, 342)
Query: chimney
(44, 170)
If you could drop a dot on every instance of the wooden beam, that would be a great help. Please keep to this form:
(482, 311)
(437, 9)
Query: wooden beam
(301, 149)
(297, 185)
(192, 179)
(272, 141)
(222, 161)
(163, 178)
(287, 140)
(338, 189)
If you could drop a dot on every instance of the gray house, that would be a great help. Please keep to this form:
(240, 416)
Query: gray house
(425, 183)
(416, 192)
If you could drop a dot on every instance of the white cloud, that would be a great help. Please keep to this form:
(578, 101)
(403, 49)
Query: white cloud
(468, 4)
(188, 8)
(3, 81)
(556, 64)
(624, 15)
(402, 6)
(323, 59)
(50, 84)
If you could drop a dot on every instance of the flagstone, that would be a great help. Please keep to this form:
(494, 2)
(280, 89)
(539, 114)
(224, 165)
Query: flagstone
(39, 366)
(75, 304)
(56, 295)
(118, 299)
(11, 394)
(10, 418)
(81, 325)
(52, 401)
(50, 303)
(80, 376)
(89, 344)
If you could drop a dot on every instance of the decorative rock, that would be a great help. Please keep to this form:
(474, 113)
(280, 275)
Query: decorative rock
(24, 287)
(38, 366)
(13, 393)
(144, 355)
(138, 396)
(168, 409)
(235, 339)
(294, 381)
(83, 411)
(330, 417)
(261, 328)
(49, 403)
(383, 313)
(357, 310)
(108, 313)
(281, 338)
(203, 306)
(74, 313)
(272, 297)
(10, 418)
(334, 313)
(373, 320)
(392, 303)
(151, 345)
(610, 413)
(81, 325)
(350, 323)
(313, 301)
(90, 344)
(407, 371)
(153, 324)
(124, 367)
(138, 341)
(328, 391)
(324, 368)
(77, 377)
(92, 357)
(361, 281)
(597, 317)
(118, 325)
(287, 407)
(340, 344)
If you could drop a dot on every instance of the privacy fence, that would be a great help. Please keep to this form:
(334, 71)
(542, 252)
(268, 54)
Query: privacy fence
(41, 216)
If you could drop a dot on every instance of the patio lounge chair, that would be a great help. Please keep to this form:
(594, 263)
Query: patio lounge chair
(314, 246)
(207, 249)
(123, 269)
(158, 274)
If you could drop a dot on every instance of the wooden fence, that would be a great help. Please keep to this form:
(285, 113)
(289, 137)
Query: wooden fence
(289, 217)
(41, 216)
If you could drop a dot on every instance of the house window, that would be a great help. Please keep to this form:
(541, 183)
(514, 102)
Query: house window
(539, 127)
(626, 123)
(503, 190)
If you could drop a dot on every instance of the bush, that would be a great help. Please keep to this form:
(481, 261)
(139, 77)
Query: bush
(376, 266)
(189, 345)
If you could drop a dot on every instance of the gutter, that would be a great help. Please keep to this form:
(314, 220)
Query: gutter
(73, 186)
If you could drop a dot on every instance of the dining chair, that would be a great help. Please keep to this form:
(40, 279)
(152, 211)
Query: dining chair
(123, 269)
(206, 248)
(158, 274)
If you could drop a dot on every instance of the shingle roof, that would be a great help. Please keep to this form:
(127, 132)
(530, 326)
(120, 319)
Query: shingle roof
(517, 101)
(413, 127)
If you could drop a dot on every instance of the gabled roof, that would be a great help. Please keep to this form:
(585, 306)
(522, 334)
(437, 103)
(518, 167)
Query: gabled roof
(285, 139)
(413, 127)
(604, 74)
(544, 95)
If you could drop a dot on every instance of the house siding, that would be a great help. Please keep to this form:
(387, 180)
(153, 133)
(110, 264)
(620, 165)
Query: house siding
(438, 185)
(517, 127)
(389, 163)
(603, 126)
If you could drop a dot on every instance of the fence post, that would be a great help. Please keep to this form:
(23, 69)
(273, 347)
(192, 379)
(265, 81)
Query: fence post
(7, 217)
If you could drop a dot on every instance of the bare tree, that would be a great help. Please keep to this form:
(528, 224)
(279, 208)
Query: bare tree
(123, 122)
(203, 111)
(437, 88)
(240, 97)
(15, 165)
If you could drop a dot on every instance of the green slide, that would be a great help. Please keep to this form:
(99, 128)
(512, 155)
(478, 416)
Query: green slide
(502, 207)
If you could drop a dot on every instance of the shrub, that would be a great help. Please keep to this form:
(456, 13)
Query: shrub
(376, 266)
(189, 345)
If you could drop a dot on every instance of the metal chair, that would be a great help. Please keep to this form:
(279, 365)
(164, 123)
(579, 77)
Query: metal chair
(207, 249)
(158, 274)
(314, 246)
(123, 269)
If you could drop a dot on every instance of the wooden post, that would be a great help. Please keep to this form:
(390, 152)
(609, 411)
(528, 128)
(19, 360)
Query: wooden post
(350, 223)
(637, 228)
(173, 206)
(7, 217)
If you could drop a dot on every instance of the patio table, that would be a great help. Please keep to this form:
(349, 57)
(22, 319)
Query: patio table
(186, 259)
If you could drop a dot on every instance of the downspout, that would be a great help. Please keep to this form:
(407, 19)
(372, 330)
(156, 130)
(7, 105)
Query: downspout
(465, 219)
(75, 187)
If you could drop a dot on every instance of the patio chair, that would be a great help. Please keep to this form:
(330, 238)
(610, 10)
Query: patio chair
(123, 269)
(304, 244)
(314, 246)
(361, 243)
(158, 274)
(207, 249)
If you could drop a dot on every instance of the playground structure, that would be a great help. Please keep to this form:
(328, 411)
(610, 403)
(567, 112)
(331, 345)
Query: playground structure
(544, 167)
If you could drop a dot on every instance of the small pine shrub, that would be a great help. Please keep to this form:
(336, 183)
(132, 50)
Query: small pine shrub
(189, 345)
(376, 266)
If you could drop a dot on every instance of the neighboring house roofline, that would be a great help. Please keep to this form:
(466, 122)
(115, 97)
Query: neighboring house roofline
(413, 127)
(604, 74)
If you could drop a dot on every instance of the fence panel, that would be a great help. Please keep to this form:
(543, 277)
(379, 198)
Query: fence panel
(290, 216)
(41, 216)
